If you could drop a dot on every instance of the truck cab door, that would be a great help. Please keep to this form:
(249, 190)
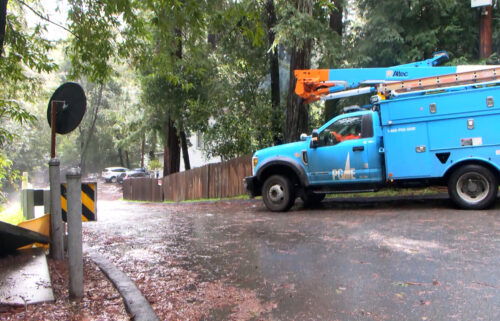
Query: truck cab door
(343, 152)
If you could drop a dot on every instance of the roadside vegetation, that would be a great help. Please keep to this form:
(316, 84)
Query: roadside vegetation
(11, 214)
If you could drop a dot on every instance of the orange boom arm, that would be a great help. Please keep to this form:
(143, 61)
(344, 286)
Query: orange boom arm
(312, 84)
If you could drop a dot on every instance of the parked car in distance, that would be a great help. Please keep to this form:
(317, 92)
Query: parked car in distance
(133, 173)
(112, 174)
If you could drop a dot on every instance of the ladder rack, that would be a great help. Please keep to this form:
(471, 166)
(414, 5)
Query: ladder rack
(461, 78)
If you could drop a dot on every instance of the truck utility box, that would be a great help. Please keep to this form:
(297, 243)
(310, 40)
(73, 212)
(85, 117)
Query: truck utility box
(426, 133)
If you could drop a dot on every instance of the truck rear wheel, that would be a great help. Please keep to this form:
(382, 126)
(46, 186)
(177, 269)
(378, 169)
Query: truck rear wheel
(278, 193)
(473, 187)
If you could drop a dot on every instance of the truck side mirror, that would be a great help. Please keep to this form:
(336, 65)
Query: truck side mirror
(315, 139)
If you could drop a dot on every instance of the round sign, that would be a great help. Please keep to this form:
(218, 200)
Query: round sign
(71, 105)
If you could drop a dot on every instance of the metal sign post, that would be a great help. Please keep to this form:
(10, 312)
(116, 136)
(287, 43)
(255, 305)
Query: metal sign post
(74, 219)
(56, 223)
(66, 109)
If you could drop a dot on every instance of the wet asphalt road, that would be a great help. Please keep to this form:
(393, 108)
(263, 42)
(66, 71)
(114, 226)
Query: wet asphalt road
(376, 260)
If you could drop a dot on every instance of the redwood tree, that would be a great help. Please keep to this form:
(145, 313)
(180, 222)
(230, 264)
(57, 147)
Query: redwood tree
(297, 112)
(274, 70)
(3, 22)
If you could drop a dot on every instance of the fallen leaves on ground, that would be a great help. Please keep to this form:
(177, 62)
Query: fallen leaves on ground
(101, 300)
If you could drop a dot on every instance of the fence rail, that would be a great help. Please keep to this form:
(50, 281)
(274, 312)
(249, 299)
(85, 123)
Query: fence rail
(210, 181)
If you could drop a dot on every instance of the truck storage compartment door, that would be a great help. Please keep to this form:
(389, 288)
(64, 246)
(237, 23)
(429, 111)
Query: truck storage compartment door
(406, 151)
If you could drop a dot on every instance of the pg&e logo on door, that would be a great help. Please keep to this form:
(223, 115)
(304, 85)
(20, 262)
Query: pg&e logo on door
(346, 173)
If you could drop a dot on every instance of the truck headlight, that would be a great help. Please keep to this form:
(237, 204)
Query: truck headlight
(255, 161)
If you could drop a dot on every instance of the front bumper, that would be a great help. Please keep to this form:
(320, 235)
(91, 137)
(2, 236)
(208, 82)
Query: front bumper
(252, 186)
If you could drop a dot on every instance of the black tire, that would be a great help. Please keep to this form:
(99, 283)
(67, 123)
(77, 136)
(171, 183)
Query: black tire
(473, 187)
(311, 199)
(113, 179)
(278, 193)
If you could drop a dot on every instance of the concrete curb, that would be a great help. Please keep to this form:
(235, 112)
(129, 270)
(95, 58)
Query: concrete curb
(135, 303)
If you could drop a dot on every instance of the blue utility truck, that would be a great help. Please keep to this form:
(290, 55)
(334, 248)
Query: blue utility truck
(425, 125)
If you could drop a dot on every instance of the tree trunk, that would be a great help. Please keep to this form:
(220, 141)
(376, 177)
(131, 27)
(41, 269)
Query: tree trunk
(127, 159)
(120, 154)
(212, 40)
(3, 23)
(172, 151)
(337, 26)
(90, 132)
(143, 147)
(152, 152)
(274, 70)
(297, 113)
(185, 152)
(336, 16)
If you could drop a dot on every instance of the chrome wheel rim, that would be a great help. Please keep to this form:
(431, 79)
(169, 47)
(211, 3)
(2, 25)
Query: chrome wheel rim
(473, 187)
(276, 193)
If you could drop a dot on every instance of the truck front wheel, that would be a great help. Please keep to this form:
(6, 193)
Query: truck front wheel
(473, 187)
(278, 193)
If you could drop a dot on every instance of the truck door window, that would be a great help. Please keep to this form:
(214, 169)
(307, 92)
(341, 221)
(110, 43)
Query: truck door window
(343, 129)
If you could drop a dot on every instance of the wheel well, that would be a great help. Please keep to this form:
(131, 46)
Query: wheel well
(279, 170)
(487, 165)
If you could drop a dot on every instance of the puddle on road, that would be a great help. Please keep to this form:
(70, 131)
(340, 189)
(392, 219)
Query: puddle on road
(403, 244)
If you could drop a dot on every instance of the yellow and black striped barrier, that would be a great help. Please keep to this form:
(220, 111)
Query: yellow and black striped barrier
(89, 199)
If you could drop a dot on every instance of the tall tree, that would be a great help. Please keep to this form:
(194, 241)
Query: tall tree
(336, 25)
(3, 23)
(297, 112)
(274, 70)
(86, 137)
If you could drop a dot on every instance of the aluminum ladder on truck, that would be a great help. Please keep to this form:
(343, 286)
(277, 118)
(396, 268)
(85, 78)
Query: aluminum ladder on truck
(477, 76)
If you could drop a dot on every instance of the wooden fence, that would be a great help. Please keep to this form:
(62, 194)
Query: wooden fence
(143, 189)
(210, 181)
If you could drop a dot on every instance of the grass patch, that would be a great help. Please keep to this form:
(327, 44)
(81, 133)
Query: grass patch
(12, 215)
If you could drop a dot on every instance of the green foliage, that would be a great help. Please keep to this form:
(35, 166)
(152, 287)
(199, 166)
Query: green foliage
(12, 215)
(7, 175)
(297, 27)
(23, 59)
(25, 56)
(397, 32)
(94, 25)
(239, 105)
(154, 165)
